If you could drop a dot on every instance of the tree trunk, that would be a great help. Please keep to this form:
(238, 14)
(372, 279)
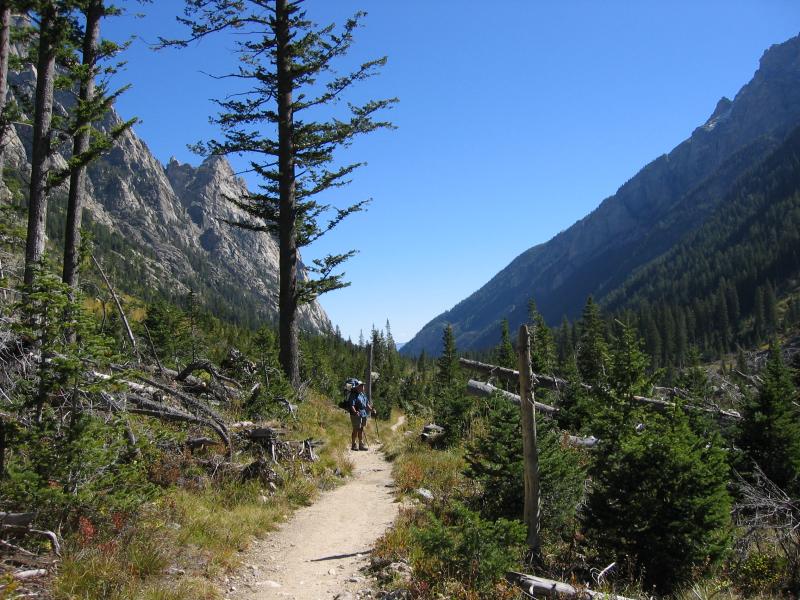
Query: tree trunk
(368, 374)
(43, 113)
(77, 179)
(530, 452)
(287, 236)
(533, 585)
(484, 390)
(5, 49)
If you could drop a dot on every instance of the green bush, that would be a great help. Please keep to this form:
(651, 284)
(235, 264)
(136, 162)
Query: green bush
(459, 545)
(659, 500)
(495, 463)
(758, 572)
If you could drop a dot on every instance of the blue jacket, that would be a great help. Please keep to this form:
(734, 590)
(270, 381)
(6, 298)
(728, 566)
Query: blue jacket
(358, 400)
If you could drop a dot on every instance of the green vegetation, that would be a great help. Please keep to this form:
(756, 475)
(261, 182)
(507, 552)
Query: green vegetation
(654, 498)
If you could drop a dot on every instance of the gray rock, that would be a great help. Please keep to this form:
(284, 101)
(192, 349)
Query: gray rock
(174, 218)
(425, 494)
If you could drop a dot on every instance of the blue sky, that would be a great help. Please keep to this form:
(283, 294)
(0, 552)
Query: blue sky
(515, 120)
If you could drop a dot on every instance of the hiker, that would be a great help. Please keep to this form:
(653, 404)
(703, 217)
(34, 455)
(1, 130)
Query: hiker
(360, 409)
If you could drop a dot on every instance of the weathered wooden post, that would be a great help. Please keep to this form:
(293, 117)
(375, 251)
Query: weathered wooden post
(530, 451)
(368, 374)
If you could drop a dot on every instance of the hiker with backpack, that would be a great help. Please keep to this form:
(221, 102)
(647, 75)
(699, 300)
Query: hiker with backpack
(359, 408)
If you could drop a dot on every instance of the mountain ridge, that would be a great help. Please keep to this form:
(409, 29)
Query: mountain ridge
(560, 273)
(173, 220)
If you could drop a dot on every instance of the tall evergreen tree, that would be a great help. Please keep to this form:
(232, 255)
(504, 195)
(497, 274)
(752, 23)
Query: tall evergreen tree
(285, 57)
(592, 348)
(770, 430)
(504, 353)
(54, 31)
(449, 369)
(88, 143)
(5, 53)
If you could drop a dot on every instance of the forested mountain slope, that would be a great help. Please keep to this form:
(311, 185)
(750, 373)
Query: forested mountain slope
(649, 214)
(724, 273)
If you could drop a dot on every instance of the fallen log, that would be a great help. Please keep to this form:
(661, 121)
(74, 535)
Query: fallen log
(17, 519)
(29, 574)
(204, 365)
(484, 390)
(151, 408)
(531, 585)
(556, 383)
(190, 382)
(188, 402)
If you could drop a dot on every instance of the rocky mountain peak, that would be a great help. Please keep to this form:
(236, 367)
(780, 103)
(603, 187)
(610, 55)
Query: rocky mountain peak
(175, 222)
(783, 57)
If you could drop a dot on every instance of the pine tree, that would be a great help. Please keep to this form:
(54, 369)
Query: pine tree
(770, 429)
(770, 308)
(592, 348)
(5, 52)
(565, 347)
(659, 501)
(452, 407)
(449, 369)
(543, 350)
(504, 353)
(54, 31)
(88, 142)
(285, 57)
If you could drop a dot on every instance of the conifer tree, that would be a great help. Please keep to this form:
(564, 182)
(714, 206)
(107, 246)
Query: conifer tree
(284, 57)
(5, 52)
(543, 351)
(452, 406)
(659, 501)
(770, 430)
(88, 143)
(504, 353)
(449, 369)
(565, 347)
(54, 30)
(592, 348)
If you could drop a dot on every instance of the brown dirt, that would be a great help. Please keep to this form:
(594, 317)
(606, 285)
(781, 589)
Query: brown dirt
(318, 552)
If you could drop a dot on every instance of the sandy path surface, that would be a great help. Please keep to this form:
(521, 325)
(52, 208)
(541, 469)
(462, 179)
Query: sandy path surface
(318, 552)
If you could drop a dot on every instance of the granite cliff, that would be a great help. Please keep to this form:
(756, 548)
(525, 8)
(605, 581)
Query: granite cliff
(172, 223)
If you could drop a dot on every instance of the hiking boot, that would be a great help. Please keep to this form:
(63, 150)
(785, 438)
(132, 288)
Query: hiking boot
(363, 447)
(354, 447)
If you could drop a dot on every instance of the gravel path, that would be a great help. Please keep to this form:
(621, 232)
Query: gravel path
(318, 552)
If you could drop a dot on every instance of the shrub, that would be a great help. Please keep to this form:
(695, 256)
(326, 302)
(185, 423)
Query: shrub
(462, 546)
(660, 499)
(495, 463)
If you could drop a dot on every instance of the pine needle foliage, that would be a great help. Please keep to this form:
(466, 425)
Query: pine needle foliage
(280, 121)
(770, 431)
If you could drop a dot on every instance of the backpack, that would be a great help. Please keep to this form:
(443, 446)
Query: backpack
(348, 387)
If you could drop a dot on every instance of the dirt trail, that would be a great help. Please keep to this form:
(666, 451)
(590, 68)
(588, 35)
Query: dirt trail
(318, 552)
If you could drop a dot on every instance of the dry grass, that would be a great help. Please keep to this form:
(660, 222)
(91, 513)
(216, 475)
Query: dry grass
(181, 543)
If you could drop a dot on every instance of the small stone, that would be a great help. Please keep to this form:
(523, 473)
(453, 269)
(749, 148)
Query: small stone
(269, 583)
(331, 571)
(425, 494)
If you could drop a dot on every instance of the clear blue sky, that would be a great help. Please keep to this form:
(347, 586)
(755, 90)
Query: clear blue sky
(515, 120)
